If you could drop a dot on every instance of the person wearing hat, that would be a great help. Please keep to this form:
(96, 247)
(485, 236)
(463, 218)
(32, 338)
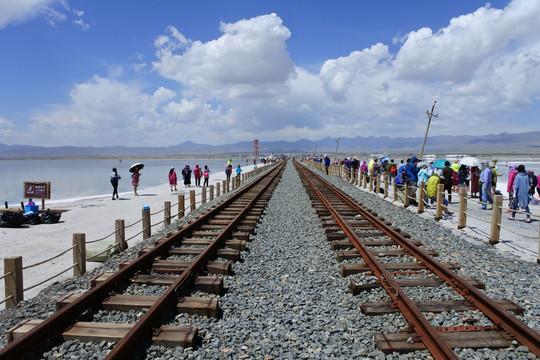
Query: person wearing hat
(423, 176)
(355, 165)
(521, 193)
(172, 179)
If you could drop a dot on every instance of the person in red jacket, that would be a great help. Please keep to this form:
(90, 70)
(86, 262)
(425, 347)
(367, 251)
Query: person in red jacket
(512, 172)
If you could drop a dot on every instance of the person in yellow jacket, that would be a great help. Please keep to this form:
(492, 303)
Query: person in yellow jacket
(431, 190)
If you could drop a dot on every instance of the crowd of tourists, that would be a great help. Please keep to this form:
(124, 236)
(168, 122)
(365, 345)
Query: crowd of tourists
(480, 181)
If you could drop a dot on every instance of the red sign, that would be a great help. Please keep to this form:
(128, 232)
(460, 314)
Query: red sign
(37, 190)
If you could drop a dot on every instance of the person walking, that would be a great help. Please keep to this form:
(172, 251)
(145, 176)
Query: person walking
(114, 182)
(392, 171)
(326, 163)
(448, 182)
(512, 172)
(135, 181)
(486, 177)
(228, 171)
(521, 193)
(197, 174)
(206, 175)
(186, 173)
(173, 180)
(423, 176)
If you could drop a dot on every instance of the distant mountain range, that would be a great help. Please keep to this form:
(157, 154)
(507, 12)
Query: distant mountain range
(505, 143)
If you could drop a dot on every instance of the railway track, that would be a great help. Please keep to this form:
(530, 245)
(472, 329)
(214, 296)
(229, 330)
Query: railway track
(190, 260)
(367, 244)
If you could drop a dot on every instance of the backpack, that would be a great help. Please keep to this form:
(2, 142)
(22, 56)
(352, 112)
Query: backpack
(393, 169)
(205, 174)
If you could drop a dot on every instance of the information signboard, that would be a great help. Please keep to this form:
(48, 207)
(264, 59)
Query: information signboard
(37, 190)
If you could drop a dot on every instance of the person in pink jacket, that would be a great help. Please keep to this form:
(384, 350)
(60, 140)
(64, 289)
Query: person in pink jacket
(173, 179)
(538, 185)
(512, 172)
(197, 174)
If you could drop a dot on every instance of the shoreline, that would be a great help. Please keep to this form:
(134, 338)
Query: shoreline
(95, 217)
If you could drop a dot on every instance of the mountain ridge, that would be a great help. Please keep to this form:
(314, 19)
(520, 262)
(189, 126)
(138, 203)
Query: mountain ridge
(528, 142)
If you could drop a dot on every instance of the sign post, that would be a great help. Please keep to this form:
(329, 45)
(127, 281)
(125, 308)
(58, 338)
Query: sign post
(37, 190)
(255, 152)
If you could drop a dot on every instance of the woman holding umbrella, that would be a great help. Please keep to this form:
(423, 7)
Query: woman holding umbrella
(134, 169)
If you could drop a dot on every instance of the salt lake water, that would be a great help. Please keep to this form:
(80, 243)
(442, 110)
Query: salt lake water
(83, 178)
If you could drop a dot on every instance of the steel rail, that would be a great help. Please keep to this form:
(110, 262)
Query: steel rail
(423, 328)
(65, 317)
(503, 320)
(142, 329)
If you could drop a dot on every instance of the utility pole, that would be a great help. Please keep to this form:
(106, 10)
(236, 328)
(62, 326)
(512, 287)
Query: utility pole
(430, 115)
(337, 144)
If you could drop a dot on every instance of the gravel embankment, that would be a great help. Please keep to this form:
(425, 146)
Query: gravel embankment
(286, 299)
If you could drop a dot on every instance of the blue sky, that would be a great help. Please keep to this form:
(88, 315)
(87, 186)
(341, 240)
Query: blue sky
(158, 73)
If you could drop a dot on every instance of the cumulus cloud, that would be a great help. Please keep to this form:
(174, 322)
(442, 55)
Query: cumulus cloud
(249, 59)
(455, 52)
(53, 11)
(483, 69)
(17, 11)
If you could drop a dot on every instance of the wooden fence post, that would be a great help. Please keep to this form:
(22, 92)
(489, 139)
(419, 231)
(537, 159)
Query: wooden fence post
(395, 189)
(226, 186)
(181, 206)
(364, 180)
(203, 195)
(421, 193)
(378, 184)
(406, 196)
(120, 234)
(462, 216)
(218, 190)
(496, 215)
(371, 177)
(14, 281)
(385, 185)
(212, 192)
(79, 254)
(167, 213)
(192, 202)
(440, 200)
(146, 225)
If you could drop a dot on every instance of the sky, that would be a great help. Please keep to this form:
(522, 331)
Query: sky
(159, 73)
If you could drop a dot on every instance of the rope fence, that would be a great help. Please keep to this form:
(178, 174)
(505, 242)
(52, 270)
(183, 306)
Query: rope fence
(13, 269)
(411, 193)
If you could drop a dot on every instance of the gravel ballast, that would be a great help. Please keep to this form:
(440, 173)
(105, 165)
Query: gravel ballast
(286, 299)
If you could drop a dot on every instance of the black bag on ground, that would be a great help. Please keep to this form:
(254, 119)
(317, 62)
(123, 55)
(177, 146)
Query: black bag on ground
(31, 219)
(50, 218)
(12, 219)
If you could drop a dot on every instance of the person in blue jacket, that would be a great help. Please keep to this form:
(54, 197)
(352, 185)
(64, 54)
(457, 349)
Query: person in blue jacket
(326, 162)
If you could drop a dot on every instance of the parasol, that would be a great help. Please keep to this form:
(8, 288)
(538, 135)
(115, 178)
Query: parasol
(439, 164)
(470, 161)
(135, 167)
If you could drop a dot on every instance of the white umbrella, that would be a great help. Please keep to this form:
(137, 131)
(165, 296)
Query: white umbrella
(470, 161)
(137, 166)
